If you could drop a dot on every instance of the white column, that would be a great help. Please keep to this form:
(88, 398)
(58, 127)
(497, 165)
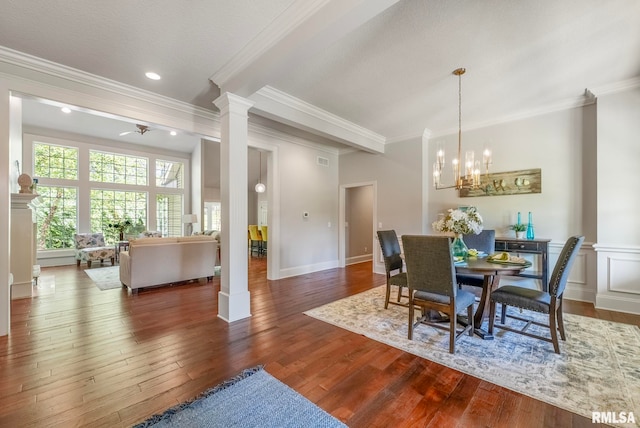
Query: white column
(233, 299)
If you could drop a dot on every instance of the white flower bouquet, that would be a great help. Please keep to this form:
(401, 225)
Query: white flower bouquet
(460, 221)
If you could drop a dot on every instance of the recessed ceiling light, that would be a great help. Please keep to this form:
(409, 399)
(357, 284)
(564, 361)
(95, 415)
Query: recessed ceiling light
(173, 133)
(153, 76)
(66, 110)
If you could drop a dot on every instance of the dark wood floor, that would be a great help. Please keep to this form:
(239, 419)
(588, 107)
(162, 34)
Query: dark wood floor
(78, 356)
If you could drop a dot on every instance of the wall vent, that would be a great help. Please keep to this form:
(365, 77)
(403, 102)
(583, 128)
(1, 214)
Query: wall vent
(322, 161)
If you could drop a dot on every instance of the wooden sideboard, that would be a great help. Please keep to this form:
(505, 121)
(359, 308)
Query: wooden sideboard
(529, 246)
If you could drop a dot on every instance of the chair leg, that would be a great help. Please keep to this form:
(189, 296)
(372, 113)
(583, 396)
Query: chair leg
(452, 331)
(492, 315)
(113, 261)
(554, 331)
(561, 322)
(78, 262)
(503, 315)
(89, 264)
(399, 292)
(387, 295)
(410, 318)
(470, 319)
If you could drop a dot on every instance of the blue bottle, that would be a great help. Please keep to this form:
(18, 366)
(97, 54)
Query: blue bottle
(530, 234)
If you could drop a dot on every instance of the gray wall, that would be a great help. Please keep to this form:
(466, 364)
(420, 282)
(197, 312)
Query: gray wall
(359, 218)
(562, 144)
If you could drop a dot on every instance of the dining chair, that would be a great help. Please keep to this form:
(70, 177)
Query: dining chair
(392, 263)
(432, 285)
(538, 301)
(484, 241)
(264, 234)
(255, 239)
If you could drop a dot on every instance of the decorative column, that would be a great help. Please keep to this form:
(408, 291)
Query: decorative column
(234, 298)
(22, 245)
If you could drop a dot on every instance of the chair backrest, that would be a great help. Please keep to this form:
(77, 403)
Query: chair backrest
(253, 233)
(483, 241)
(390, 250)
(265, 233)
(561, 271)
(150, 234)
(88, 240)
(430, 264)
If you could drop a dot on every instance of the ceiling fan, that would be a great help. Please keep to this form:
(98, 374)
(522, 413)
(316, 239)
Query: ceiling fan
(141, 130)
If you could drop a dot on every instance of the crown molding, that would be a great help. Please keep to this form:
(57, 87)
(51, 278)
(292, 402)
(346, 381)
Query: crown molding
(39, 65)
(273, 101)
(611, 88)
(566, 104)
(287, 21)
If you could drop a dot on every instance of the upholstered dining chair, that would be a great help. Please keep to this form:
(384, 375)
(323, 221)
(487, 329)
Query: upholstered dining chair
(484, 241)
(255, 239)
(432, 285)
(538, 301)
(393, 264)
(264, 234)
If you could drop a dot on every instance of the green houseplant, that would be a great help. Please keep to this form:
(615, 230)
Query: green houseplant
(519, 228)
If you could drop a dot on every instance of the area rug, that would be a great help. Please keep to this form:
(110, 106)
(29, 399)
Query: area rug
(598, 369)
(105, 278)
(254, 398)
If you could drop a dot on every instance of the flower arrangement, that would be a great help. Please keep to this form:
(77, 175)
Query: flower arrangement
(460, 221)
(120, 226)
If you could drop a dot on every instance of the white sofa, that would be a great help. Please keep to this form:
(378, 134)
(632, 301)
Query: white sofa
(156, 261)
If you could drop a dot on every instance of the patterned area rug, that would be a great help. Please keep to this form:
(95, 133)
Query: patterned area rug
(598, 369)
(105, 278)
(254, 398)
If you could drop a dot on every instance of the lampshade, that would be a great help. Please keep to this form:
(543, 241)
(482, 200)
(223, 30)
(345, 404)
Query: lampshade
(190, 218)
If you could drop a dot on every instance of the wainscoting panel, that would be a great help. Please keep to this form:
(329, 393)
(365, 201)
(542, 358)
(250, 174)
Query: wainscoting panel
(618, 278)
(581, 284)
(624, 274)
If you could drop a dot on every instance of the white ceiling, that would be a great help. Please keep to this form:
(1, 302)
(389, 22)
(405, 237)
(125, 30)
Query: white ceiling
(384, 65)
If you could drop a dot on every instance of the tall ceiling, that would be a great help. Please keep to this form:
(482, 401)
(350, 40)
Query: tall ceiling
(385, 65)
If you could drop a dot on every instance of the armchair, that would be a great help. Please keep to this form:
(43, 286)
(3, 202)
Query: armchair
(91, 247)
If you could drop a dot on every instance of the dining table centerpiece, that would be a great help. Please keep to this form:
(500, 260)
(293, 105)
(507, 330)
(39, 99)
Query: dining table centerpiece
(460, 221)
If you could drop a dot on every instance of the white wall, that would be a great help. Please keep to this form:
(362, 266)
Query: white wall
(618, 160)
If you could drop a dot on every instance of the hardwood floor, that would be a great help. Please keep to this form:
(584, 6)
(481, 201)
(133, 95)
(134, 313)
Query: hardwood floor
(78, 356)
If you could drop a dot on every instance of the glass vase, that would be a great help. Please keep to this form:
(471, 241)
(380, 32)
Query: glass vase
(530, 232)
(458, 247)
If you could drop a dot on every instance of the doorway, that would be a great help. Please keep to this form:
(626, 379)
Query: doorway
(358, 219)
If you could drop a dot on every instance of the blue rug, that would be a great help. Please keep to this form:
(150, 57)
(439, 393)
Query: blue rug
(253, 398)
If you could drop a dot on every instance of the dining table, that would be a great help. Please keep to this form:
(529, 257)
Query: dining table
(492, 272)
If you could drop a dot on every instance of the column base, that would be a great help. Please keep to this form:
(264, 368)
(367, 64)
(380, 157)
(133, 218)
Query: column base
(234, 307)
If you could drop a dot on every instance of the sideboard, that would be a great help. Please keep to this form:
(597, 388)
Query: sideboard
(529, 246)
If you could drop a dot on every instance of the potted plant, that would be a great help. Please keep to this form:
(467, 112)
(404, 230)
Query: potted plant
(459, 222)
(519, 228)
(121, 226)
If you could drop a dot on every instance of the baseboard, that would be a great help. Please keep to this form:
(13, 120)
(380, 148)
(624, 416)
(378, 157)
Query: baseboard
(359, 259)
(618, 304)
(579, 294)
(302, 270)
(21, 290)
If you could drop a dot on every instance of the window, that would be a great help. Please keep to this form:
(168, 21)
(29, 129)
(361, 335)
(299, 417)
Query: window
(212, 216)
(116, 168)
(56, 217)
(169, 174)
(51, 161)
(169, 214)
(114, 206)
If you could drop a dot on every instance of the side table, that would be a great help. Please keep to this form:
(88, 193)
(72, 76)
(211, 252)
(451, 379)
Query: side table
(121, 246)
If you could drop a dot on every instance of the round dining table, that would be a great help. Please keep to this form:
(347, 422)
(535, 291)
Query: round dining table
(492, 273)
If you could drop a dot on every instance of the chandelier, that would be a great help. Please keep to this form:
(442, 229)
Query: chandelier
(469, 177)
